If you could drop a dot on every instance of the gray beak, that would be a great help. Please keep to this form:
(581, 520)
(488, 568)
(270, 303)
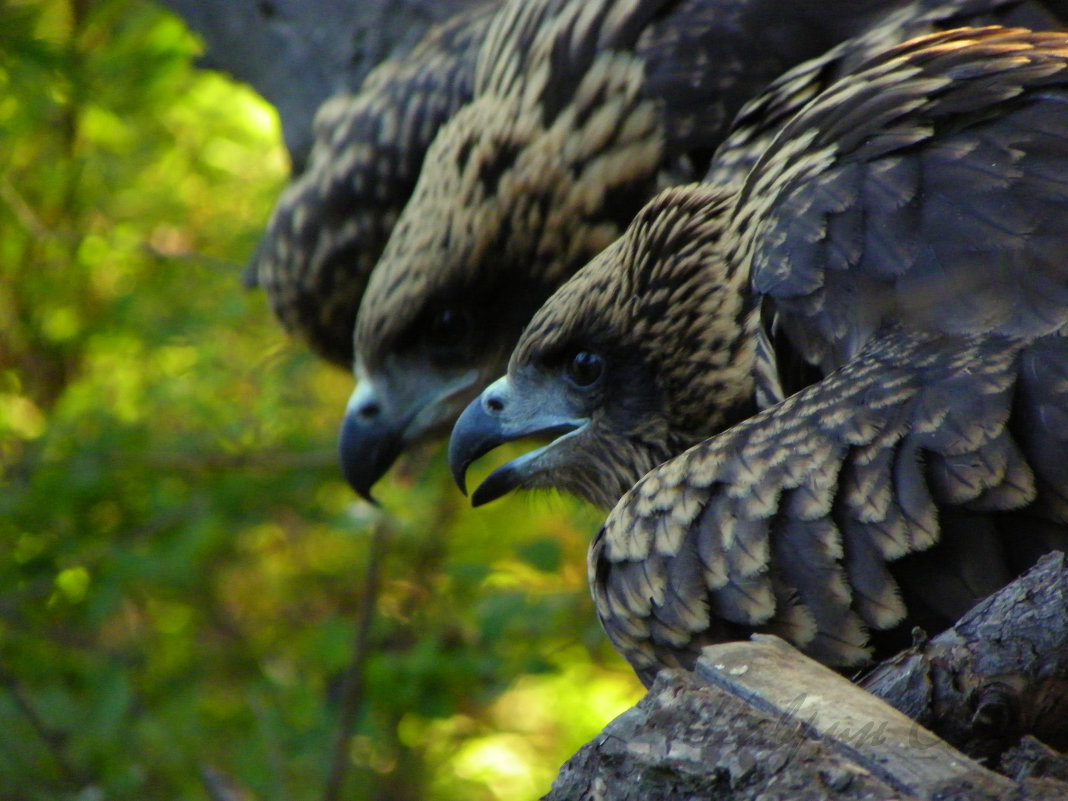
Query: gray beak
(494, 418)
(370, 440)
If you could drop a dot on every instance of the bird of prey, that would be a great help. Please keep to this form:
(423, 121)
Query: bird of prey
(906, 233)
(329, 226)
(582, 110)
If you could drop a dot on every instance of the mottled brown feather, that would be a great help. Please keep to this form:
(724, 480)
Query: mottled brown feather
(761, 119)
(580, 112)
(928, 467)
(329, 226)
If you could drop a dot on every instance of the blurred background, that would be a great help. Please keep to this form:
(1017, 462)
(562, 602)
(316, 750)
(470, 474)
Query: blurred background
(182, 567)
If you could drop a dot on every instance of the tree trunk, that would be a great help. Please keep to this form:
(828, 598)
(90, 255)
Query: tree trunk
(297, 53)
(758, 720)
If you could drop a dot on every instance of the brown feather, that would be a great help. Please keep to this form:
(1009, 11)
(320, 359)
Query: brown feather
(902, 482)
(329, 226)
(580, 112)
(894, 491)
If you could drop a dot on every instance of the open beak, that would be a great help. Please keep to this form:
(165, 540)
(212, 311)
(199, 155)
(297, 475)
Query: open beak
(498, 416)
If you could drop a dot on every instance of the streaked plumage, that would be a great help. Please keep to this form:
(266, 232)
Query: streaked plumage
(906, 232)
(329, 226)
(581, 110)
(760, 120)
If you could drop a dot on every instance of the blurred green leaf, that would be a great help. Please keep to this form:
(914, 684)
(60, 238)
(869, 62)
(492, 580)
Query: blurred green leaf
(545, 555)
(181, 565)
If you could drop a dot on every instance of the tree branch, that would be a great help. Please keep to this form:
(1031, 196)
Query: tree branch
(998, 674)
(352, 687)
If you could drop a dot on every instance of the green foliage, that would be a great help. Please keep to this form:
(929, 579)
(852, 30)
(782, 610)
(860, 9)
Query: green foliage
(180, 564)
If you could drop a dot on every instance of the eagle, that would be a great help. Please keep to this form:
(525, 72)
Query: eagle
(581, 112)
(904, 238)
(329, 226)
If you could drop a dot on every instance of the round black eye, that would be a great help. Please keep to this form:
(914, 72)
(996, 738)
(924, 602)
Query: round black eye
(585, 368)
(449, 327)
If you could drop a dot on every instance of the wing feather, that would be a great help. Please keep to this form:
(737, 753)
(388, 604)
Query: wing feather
(954, 223)
(852, 505)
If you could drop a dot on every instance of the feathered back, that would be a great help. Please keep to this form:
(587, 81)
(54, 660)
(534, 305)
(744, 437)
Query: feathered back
(907, 225)
(328, 228)
(917, 189)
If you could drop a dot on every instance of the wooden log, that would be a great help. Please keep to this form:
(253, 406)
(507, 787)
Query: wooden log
(1032, 758)
(758, 720)
(998, 674)
(774, 677)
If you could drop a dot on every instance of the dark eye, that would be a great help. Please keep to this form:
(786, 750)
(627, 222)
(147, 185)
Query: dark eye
(449, 327)
(585, 368)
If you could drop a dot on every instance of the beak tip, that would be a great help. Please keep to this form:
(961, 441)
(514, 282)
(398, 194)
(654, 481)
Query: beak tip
(459, 474)
(473, 435)
(358, 481)
(366, 453)
(497, 484)
(368, 497)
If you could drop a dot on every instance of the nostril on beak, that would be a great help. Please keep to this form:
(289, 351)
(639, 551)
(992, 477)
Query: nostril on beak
(369, 411)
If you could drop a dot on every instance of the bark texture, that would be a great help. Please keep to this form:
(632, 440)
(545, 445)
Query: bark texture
(1000, 673)
(758, 720)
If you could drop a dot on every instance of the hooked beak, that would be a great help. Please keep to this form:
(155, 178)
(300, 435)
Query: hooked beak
(496, 417)
(370, 441)
(382, 420)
